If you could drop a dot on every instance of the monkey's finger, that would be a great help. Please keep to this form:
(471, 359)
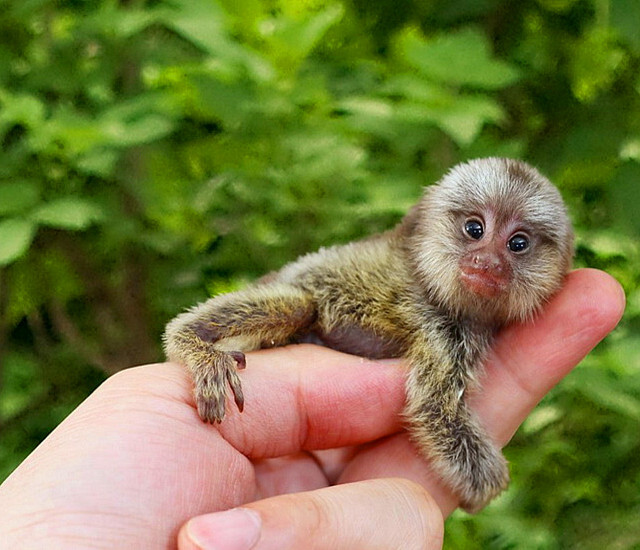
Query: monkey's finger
(385, 513)
(236, 389)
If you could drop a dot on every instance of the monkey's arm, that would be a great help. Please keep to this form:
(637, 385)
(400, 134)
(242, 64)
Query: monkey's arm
(210, 338)
(444, 429)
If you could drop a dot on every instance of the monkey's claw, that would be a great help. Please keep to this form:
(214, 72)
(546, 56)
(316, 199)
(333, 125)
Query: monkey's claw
(239, 358)
(211, 385)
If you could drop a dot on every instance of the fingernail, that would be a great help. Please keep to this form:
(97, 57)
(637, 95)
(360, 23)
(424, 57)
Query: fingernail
(236, 529)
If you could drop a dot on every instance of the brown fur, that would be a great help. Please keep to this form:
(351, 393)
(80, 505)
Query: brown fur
(400, 294)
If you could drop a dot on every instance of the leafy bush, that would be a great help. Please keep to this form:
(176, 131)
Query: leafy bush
(156, 152)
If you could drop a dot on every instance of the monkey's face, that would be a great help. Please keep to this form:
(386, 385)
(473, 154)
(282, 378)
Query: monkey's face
(493, 240)
(486, 263)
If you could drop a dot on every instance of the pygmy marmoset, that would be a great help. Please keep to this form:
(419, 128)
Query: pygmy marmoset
(485, 246)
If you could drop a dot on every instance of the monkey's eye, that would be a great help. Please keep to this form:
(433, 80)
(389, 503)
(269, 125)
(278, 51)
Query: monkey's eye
(474, 229)
(518, 243)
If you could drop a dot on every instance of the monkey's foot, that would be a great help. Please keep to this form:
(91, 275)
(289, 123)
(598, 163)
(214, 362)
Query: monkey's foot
(211, 381)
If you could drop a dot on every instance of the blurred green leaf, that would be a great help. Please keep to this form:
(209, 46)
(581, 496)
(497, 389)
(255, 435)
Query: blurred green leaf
(625, 18)
(111, 20)
(461, 58)
(540, 418)
(610, 243)
(625, 192)
(464, 118)
(595, 63)
(203, 23)
(68, 131)
(68, 213)
(18, 196)
(21, 383)
(293, 39)
(143, 130)
(22, 108)
(99, 161)
(230, 102)
(16, 235)
(596, 387)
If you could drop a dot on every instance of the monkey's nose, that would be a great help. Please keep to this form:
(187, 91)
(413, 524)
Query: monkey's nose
(483, 273)
(487, 262)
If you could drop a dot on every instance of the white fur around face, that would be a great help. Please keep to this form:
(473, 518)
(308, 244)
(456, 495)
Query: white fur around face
(513, 194)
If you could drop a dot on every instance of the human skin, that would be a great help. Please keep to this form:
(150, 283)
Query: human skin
(132, 464)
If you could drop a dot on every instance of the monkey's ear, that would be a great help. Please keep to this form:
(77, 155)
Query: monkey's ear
(408, 224)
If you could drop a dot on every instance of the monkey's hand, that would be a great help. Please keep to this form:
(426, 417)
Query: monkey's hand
(451, 438)
(210, 338)
(211, 374)
(483, 472)
(462, 454)
(213, 365)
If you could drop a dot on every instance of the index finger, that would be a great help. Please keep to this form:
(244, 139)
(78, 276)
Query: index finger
(306, 397)
(529, 359)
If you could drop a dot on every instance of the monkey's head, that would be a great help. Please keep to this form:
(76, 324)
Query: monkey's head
(492, 240)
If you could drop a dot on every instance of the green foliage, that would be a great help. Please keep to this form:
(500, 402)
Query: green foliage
(156, 152)
(460, 58)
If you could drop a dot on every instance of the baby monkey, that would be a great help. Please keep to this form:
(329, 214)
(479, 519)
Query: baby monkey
(484, 247)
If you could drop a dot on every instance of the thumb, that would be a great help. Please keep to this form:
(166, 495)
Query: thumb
(381, 513)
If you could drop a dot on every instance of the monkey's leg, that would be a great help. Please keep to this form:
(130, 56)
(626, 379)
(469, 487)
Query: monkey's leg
(448, 434)
(210, 338)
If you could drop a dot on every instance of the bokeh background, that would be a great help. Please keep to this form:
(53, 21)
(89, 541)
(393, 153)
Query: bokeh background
(156, 152)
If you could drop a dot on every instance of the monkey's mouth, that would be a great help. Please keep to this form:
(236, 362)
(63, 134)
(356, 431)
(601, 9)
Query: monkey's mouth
(483, 283)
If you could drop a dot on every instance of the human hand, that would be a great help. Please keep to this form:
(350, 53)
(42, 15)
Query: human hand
(134, 462)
